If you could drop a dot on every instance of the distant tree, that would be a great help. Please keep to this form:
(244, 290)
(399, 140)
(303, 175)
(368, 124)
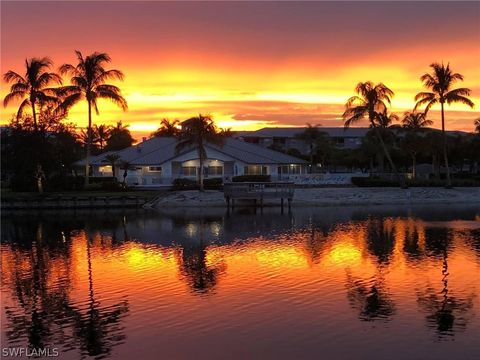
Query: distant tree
(168, 128)
(477, 125)
(310, 136)
(88, 79)
(440, 82)
(120, 138)
(112, 159)
(102, 133)
(196, 133)
(371, 101)
(125, 166)
(414, 123)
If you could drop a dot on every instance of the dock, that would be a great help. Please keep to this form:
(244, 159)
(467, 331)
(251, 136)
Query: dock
(258, 192)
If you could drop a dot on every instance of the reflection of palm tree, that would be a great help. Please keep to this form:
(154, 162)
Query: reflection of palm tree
(98, 330)
(201, 277)
(446, 313)
(380, 239)
(370, 298)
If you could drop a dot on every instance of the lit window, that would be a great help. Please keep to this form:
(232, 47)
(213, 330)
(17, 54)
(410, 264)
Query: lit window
(155, 169)
(189, 170)
(105, 169)
(256, 170)
(215, 170)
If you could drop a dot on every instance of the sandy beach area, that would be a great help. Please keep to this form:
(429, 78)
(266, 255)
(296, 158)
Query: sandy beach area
(331, 197)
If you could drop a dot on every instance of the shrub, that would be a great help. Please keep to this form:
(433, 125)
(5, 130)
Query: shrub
(251, 178)
(380, 182)
(184, 184)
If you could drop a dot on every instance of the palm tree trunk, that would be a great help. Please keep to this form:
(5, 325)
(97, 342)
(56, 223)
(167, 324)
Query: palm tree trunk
(400, 179)
(89, 142)
(39, 170)
(200, 175)
(445, 157)
(311, 158)
(34, 113)
(414, 167)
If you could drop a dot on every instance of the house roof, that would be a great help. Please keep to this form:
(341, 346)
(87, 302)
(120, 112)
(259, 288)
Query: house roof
(290, 132)
(158, 150)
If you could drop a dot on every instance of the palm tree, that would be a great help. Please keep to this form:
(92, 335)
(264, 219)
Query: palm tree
(196, 133)
(167, 128)
(34, 92)
(440, 82)
(88, 79)
(477, 125)
(112, 160)
(310, 135)
(32, 88)
(414, 123)
(103, 133)
(371, 101)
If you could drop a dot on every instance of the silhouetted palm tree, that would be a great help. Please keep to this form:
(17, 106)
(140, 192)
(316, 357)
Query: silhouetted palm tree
(168, 128)
(310, 136)
(196, 133)
(477, 125)
(88, 79)
(414, 123)
(112, 160)
(102, 134)
(440, 82)
(34, 92)
(371, 101)
(33, 88)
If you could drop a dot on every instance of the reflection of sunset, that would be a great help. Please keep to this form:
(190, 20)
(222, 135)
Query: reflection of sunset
(344, 255)
(375, 269)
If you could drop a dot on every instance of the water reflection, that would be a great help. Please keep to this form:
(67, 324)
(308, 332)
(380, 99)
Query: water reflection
(73, 280)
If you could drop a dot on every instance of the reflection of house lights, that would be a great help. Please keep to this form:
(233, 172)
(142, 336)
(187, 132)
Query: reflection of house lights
(191, 229)
(215, 228)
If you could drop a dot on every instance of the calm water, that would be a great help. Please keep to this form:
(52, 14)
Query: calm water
(335, 283)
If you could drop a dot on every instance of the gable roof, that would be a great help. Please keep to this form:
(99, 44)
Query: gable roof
(158, 150)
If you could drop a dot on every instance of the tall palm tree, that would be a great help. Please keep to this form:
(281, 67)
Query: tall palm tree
(370, 102)
(34, 92)
(168, 128)
(196, 133)
(440, 82)
(88, 79)
(32, 88)
(414, 123)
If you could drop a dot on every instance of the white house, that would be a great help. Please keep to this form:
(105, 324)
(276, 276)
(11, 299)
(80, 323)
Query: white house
(155, 162)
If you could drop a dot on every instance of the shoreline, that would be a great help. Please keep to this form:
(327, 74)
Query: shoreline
(324, 197)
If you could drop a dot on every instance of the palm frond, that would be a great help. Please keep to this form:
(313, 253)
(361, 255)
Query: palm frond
(11, 76)
(13, 96)
(114, 96)
(22, 106)
(453, 98)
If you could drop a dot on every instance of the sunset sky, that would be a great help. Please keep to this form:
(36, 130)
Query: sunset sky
(250, 65)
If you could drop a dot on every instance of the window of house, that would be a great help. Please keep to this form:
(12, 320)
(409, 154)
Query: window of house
(105, 168)
(256, 170)
(189, 170)
(157, 169)
(215, 170)
(290, 169)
